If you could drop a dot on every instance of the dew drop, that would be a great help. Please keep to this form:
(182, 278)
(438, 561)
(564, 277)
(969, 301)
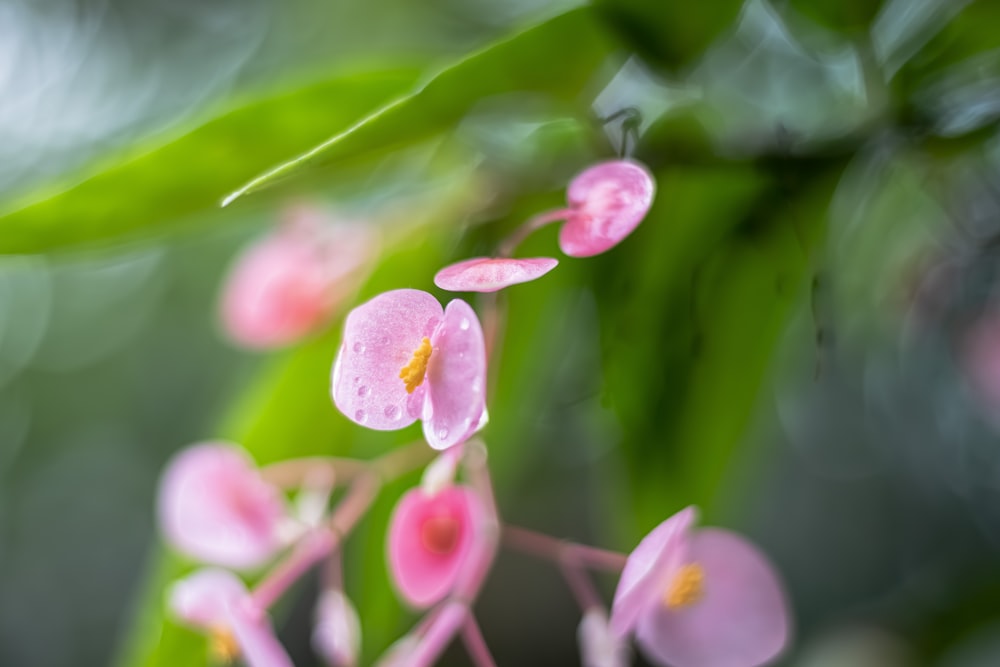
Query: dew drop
(359, 348)
(392, 412)
(464, 324)
(363, 390)
(361, 416)
(477, 386)
(442, 433)
(357, 379)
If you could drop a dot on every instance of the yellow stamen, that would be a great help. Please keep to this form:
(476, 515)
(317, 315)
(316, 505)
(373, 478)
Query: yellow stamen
(222, 645)
(687, 587)
(413, 372)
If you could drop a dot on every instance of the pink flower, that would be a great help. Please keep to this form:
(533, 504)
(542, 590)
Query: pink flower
(700, 598)
(216, 601)
(431, 539)
(606, 202)
(403, 359)
(214, 506)
(288, 284)
(337, 633)
(485, 274)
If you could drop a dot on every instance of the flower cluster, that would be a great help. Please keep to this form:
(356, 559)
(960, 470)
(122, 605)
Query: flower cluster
(689, 597)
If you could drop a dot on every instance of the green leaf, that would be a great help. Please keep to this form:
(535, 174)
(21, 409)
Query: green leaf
(158, 184)
(558, 58)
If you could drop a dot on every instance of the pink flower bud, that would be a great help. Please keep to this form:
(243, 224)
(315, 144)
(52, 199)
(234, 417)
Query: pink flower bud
(217, 602)
(403, 358)
(214, 506)
(431, 539)
(606, 202)
(599, 647)
(485, 274)
(289, 283)
(337, 633)
(700, 598)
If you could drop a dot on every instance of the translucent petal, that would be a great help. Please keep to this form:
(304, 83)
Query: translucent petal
(456, 378)
(380, 337)
(486, 274)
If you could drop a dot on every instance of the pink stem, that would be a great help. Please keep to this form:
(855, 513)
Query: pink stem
(551, 548)
(580, 585)
(508, 247)
(475, 644)
(316, 545)
(447, 621)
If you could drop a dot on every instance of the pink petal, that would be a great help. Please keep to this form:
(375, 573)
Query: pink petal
(485, 274)
(649, 569)
(742, 621)
(424, 576)
(213, 506)
(202, 598)
(380, 337)
(259, 647)
(456, 378)
(337, 632)
(607, 202)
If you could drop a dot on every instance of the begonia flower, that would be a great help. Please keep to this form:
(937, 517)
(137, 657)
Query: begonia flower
(403, 358)
(700, 598)
(606, 202)
(336, 634)
(214, 506)
(288, 284)
(217, 601)
(490, 274)
(431, 539)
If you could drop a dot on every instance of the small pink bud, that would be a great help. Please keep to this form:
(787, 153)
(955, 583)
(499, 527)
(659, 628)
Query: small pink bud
(606, 202)
(214, 506)
(337, 633)
(403, 358)
(485, 274)
(289, 283)
(696, 598)
(599, 647)
(431, 538)
(216, 601)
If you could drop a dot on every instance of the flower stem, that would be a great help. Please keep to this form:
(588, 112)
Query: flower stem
(554, 549)
(508, 247)
(475, 644)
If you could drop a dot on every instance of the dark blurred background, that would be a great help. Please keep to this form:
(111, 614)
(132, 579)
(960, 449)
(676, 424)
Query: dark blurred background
(801, 338)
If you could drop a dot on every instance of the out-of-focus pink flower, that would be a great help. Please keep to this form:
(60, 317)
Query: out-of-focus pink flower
(606, 202)
(431, 538)
(214, 506)
(403, 359)
(599, 647)
(288, 284)
(486, 274)
(217, 601)
(700, 598)
(337, 632)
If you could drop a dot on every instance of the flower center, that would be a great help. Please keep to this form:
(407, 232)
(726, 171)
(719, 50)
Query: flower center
(439, 534)
(412, 373)
(222, 645)
(687, 587)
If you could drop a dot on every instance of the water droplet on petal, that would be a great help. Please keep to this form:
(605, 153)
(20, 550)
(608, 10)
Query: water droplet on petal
(357, 379)
(464, 324)
(359, 348)
(442, 433)
(361, 416)
(363, 390)
(392, 412)
(476, 387)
